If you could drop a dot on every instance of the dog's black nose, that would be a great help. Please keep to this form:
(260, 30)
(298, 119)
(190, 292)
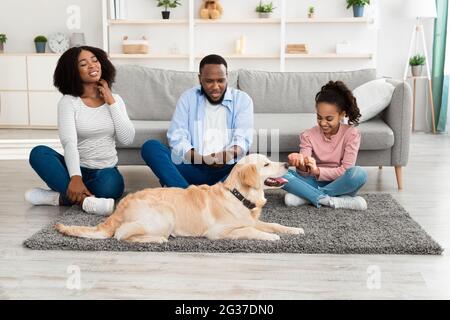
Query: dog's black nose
(286, 165)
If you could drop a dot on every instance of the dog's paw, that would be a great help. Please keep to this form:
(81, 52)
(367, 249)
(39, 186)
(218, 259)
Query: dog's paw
(296, 231)
(273, 237)
(60, 227)
(161, 240)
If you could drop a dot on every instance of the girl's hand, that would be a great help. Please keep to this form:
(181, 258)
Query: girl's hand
(310, 163)
(77, 191)
(105, 92)
(297, 160)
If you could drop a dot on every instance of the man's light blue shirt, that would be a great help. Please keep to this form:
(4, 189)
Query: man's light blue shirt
(187, 125)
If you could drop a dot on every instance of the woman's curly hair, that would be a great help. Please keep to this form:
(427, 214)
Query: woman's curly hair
(337, 93)
(67, 77)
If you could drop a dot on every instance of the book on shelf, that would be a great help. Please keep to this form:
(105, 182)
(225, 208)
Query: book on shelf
(297, 48)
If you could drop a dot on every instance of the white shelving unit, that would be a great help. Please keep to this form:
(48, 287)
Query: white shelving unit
(192, 23)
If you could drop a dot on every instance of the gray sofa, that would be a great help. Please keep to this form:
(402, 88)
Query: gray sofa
(283, 107)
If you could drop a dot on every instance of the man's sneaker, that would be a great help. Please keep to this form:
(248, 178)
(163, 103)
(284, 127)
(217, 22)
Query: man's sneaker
(291, 200)
(348, 202)
(39, 197)
(100, 206)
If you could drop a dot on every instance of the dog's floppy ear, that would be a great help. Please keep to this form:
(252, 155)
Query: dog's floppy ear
(248, 176)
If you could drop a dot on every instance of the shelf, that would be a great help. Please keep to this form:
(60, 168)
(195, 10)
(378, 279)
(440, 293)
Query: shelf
(237, 21)
(419, 77)
(147, 21)
(147, 56)
(47, 54)
(245, 56)
(329, 20)
(329, 56)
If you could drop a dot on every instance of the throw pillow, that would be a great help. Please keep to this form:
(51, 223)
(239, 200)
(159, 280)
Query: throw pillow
(373, 97)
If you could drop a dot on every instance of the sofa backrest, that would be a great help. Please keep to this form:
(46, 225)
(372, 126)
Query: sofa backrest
(293, 92)
(152, 94)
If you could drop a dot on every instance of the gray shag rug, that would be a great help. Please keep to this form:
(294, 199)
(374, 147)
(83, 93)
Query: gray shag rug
(384, 228)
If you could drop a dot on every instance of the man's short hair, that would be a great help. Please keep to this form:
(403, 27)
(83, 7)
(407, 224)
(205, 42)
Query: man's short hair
(212, 59)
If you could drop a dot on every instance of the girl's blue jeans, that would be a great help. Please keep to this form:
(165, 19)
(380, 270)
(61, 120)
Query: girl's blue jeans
(312, 190)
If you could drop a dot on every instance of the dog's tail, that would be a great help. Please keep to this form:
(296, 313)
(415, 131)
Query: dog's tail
(103, 230)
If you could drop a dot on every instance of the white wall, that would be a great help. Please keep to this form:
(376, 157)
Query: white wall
(22, 20)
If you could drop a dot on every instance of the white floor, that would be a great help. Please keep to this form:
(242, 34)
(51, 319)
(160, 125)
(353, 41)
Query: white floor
(54, 274)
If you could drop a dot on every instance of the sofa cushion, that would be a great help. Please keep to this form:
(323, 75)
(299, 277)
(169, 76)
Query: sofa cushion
(375, 134)
(152, 94)
(293, 92)
(146, 130)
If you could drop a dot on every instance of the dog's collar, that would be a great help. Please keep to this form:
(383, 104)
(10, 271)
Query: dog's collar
(244, 201)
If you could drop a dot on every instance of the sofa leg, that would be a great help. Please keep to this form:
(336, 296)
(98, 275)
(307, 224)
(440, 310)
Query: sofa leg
(398, 174)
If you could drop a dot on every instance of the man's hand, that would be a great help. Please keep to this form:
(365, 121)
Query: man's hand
(211, 160)
(310, 163)
(298, 160)
(77, 191)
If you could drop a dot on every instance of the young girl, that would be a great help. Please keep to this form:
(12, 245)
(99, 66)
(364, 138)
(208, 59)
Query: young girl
(90, 119)
(326, 173)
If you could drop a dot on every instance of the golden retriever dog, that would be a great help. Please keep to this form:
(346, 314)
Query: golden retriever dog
(228, 210)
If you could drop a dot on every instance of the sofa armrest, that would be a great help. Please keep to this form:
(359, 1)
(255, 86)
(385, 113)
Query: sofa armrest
(398, 116)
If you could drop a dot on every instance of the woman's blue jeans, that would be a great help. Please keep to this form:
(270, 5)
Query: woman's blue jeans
(51, 167)
(312, 190)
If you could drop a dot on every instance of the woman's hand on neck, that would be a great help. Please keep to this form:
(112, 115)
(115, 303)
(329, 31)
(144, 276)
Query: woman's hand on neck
(91, 97)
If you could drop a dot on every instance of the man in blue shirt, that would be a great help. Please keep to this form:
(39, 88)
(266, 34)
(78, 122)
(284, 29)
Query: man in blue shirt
(211, 129)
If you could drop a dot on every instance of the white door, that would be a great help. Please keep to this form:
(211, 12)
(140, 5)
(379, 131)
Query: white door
(13, 108)
(44, 108)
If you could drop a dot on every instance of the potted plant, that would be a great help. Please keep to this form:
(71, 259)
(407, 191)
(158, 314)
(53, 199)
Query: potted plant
(167, 4)
(3, 39)
(40, 42)
(311, 12)
(265, 10)
(358, 7)
(416, 62)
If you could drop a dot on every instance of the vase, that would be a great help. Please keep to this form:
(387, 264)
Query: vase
(265, 15)
(77, 39)
(358, 11)
(165, 14)
(416, 71)
(40, 47)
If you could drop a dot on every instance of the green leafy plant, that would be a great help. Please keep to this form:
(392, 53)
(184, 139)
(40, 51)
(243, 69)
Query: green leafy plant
(168, 4)
(417, 60)
(265, 8)
(40, 39)
(351, 3)
(3, 38)
(311, 10)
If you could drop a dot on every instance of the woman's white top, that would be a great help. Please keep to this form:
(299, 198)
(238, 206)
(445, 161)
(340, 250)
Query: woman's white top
(88, 134)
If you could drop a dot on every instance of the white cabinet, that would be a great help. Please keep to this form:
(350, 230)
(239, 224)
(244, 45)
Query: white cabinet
(14, 108)
(13, 73)
(27, 95)
(40, 72)
(43, 108)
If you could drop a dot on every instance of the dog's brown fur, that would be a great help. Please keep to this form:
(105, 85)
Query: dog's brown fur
(152, 215)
